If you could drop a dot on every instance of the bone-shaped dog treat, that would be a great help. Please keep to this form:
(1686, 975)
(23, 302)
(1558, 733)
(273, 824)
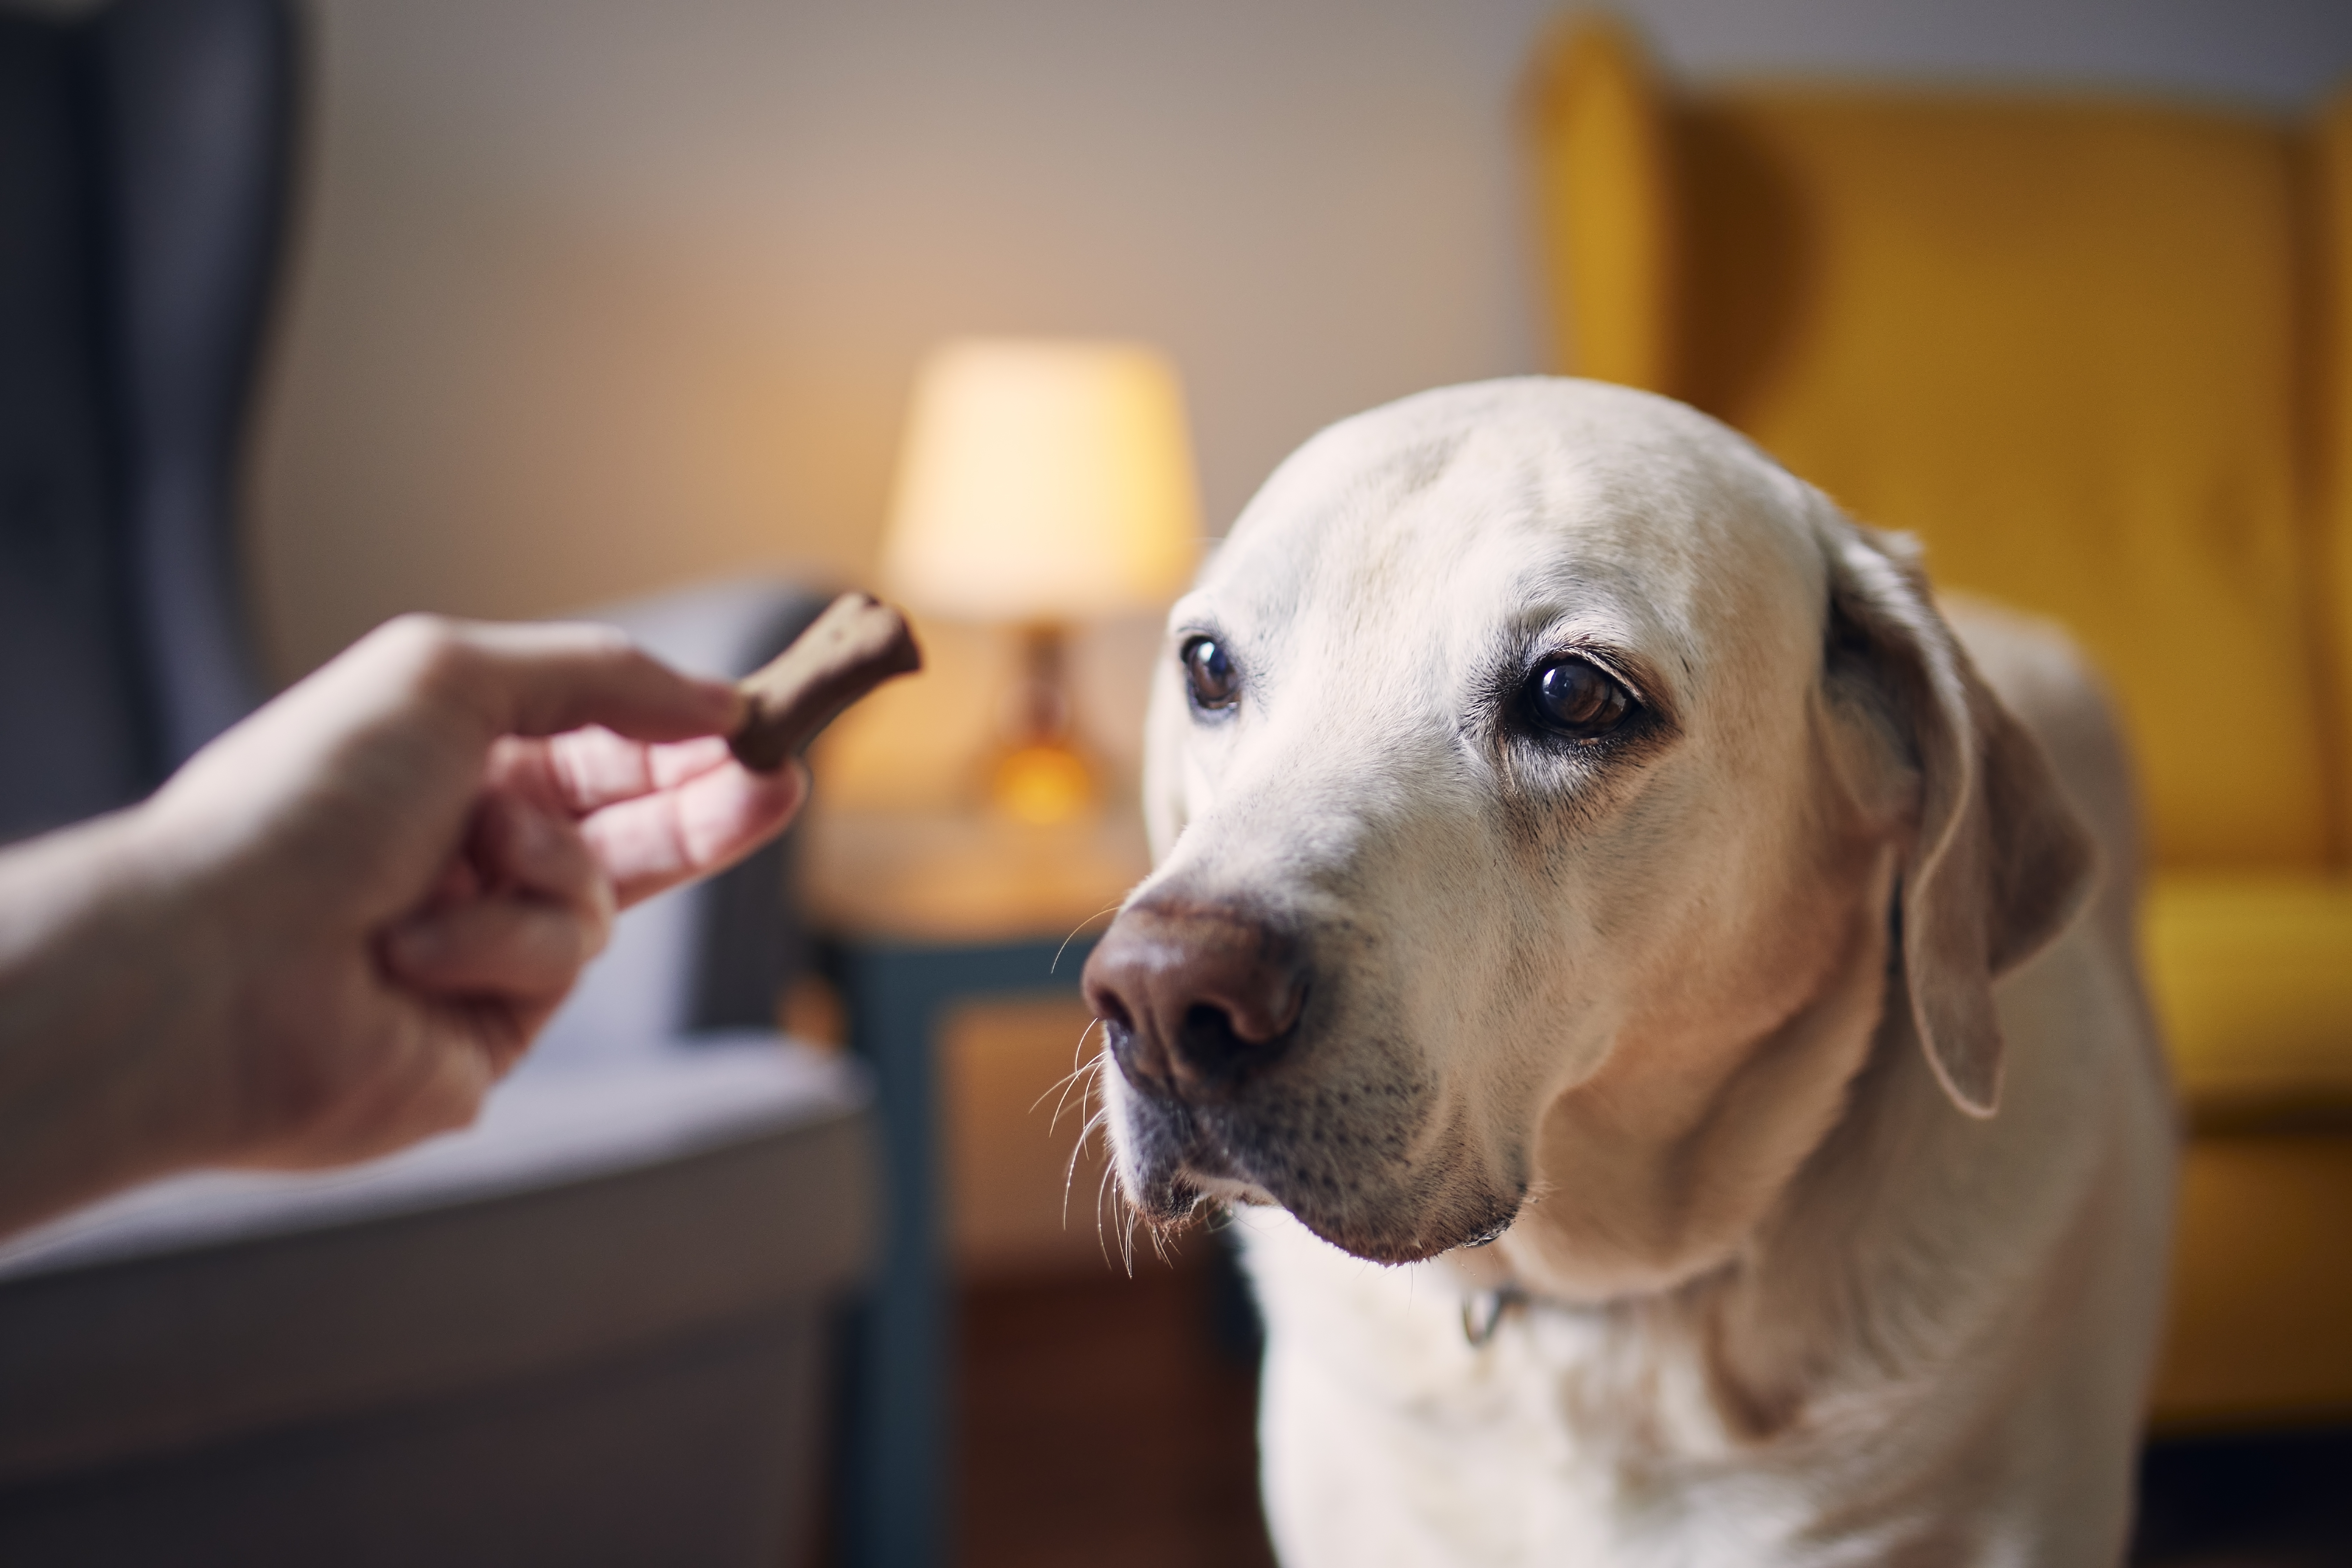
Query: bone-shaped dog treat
(854, 646)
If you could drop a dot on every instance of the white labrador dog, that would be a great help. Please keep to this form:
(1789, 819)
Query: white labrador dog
(1592, 875)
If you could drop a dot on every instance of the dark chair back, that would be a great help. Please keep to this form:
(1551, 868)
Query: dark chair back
(145, 155)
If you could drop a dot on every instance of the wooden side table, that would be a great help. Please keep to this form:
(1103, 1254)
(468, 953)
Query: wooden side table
(915, 914)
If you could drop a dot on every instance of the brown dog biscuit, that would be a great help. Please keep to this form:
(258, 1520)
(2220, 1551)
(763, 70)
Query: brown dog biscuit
(854, 646)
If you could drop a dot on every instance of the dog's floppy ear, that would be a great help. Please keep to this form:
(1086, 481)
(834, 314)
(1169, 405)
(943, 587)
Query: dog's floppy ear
(1997, 863)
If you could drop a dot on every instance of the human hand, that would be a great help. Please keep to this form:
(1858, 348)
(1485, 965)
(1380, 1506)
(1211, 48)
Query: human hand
(568, 828)
(392, 874)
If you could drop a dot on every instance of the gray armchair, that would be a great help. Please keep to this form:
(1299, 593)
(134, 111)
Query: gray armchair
(592, 1328)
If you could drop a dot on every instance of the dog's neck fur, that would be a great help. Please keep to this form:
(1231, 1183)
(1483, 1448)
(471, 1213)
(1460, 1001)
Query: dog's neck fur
(1749, 1270)
(1641, 1187)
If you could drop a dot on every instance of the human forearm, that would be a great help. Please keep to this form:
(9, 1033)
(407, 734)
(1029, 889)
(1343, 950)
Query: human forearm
(104, 992)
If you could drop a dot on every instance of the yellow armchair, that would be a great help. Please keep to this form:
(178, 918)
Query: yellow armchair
(2097, 354)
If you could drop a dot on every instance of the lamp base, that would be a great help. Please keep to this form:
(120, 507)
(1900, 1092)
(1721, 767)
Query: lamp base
(1043, 782)
(1042, 777)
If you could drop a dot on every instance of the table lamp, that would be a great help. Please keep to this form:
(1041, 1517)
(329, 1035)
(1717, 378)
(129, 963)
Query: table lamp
(1043, 481)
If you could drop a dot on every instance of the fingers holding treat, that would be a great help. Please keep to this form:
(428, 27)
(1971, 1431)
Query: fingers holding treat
(854, 646)
(693, 829)
(655, 815)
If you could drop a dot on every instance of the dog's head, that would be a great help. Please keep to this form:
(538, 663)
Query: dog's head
(1532, 776)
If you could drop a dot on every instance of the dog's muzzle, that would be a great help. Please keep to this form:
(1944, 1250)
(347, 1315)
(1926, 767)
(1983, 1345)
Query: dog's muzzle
(1196, 998)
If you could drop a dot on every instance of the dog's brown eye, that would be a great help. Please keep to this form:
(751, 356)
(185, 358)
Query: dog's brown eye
(1575, 698)
(1210, 673)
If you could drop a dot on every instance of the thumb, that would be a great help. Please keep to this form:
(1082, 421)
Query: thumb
(542, 680)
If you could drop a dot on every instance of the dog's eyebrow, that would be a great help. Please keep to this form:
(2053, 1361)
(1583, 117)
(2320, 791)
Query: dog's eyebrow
(1184, 628)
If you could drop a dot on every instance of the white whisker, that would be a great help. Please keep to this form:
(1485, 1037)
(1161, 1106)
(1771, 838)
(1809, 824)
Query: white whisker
(1062, 1087)
(1102, 1192)
(1093, 1124)
(1106, 910)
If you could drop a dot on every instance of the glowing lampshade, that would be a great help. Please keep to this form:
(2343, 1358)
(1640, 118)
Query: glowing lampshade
(1043, 480)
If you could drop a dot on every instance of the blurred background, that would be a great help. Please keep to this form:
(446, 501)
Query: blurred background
(585, 300)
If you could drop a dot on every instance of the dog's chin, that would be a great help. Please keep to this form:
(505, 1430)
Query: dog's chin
(1419, 1235)
(1174, 1168)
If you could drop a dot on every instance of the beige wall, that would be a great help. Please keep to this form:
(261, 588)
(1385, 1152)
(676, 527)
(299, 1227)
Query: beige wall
(596, 296)
(600, 297)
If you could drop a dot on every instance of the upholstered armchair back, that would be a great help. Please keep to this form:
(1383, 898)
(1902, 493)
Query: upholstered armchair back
(145, 161)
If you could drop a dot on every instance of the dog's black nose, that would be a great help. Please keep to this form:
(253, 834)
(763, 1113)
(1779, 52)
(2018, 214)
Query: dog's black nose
(1195, 997)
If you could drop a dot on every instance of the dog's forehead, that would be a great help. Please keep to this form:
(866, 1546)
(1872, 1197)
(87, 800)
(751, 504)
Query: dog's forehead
(1523, 502)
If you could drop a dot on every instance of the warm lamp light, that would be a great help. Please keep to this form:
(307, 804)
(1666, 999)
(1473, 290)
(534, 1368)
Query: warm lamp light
(1041, 482)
